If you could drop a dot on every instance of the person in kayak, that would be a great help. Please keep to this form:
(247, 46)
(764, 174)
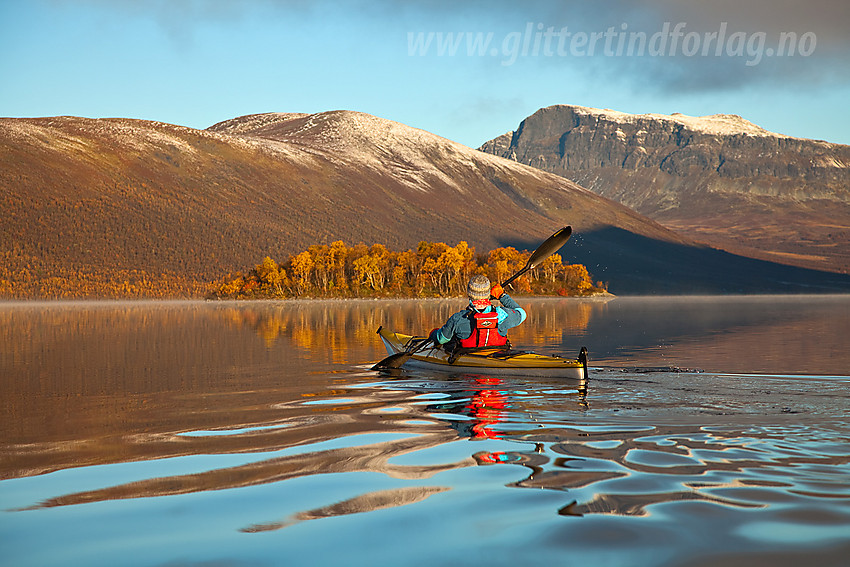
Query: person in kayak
(481, 324)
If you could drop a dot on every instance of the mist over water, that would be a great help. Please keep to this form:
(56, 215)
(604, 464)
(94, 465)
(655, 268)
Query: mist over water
(712, 430)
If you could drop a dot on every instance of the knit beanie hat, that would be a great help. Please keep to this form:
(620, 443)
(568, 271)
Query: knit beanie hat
(478, 288)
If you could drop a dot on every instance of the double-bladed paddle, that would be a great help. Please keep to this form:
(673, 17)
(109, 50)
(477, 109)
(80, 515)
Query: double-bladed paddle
(549, 247)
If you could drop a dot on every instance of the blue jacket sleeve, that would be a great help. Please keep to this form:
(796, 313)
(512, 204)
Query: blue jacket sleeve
(456, 325)
(510, 313)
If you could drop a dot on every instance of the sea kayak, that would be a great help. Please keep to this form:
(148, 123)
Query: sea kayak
(491, 360)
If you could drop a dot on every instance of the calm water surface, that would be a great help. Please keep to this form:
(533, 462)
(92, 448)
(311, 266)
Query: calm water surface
(712, 431)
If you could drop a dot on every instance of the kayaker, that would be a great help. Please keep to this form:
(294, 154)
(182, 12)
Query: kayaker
(481, 323)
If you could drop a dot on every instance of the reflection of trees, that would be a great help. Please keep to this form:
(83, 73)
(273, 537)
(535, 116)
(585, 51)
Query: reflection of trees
(336, 325)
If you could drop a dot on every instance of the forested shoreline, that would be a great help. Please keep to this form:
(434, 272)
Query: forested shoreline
(431, 270)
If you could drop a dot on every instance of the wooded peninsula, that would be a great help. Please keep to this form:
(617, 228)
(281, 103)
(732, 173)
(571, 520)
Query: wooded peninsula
(432, 270)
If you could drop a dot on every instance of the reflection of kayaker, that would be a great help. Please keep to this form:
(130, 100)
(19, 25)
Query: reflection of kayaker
(483, 402)
(485, 408)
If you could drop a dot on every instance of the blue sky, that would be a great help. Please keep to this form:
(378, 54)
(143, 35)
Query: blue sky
(197, 62)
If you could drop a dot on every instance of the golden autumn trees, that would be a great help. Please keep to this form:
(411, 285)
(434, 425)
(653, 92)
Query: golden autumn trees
(301, 267)
(24, 276)
(371, 268)
(434, 269)
(270, 278)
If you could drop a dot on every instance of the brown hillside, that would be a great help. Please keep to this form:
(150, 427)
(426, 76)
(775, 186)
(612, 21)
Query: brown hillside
(118, 200)
(111, 195)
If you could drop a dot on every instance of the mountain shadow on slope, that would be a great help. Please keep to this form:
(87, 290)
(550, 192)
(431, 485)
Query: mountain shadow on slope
(633, 264)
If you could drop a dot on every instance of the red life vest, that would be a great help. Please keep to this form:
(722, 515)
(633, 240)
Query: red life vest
(485, 331)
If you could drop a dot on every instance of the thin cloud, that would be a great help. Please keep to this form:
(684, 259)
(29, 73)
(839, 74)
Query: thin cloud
(708, 45)
(743, 61)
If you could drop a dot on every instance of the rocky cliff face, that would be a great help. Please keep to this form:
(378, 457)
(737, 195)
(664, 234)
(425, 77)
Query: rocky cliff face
(718, 178)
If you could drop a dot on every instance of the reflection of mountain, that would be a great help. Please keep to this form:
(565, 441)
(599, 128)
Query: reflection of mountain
(637, 504)
(369, 457)
(357, 505)
(69, 402)
(576, 464)
(408, 430)
(564, 459)
(727, 334)
(108, 384)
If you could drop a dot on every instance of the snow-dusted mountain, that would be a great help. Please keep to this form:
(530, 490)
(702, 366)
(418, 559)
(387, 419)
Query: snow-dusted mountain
(720, 179)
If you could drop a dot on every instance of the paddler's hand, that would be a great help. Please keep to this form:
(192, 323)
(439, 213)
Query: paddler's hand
(496, 291)
(432, 336)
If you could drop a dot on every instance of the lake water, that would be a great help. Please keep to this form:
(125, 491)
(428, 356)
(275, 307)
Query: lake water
(712, 431)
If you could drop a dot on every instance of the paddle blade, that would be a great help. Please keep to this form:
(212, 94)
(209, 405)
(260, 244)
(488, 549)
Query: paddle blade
(393, 361)
(398, 359)
(550, 246)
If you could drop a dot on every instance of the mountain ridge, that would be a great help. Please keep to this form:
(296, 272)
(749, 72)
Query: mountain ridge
(719, 179)
(113, 196)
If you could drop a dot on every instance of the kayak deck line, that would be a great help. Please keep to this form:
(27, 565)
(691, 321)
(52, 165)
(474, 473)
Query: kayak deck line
(490, 360)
